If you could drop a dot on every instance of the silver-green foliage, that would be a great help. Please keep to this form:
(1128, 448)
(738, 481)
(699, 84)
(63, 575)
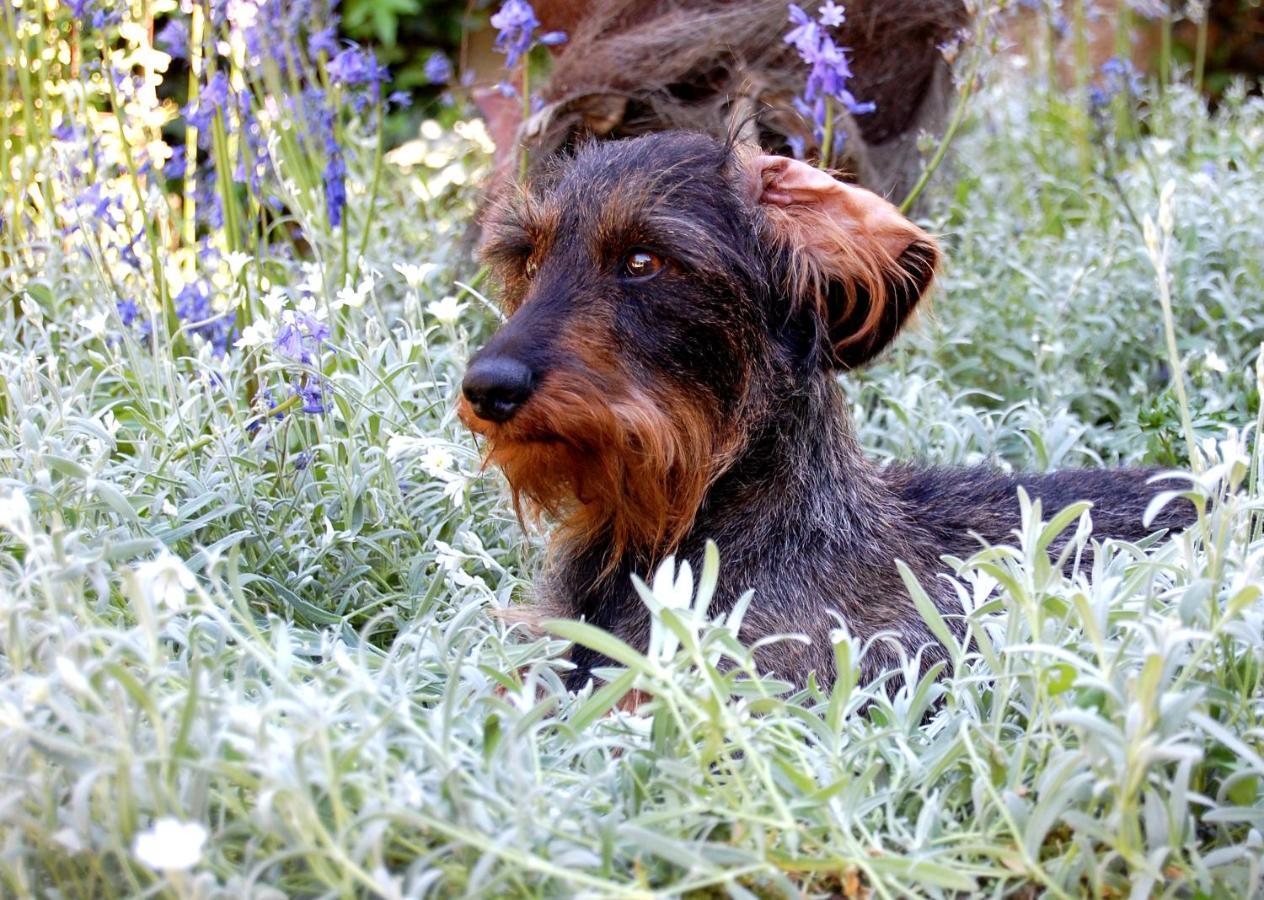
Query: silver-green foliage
(300, 653)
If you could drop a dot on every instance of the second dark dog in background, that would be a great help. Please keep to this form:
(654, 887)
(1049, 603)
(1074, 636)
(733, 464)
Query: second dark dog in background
(678, 310)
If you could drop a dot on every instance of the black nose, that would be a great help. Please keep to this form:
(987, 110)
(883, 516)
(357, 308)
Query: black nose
(497, 386)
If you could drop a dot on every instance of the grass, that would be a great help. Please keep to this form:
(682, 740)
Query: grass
(280, 625)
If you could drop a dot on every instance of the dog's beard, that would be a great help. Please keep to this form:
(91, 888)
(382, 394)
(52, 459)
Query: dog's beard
(608, 463)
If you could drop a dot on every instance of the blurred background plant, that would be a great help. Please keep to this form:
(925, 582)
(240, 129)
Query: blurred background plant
(251, 573)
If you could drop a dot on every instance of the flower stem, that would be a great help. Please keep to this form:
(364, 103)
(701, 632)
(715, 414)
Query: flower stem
(827, 137)
(526, 116)
(958, 116)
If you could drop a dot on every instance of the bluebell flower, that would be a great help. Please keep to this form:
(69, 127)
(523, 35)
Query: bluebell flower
(1118, 76)
(300, 337)
(289, 341)
(193, 307)
(173, 39)
(515, 23)
(805, 36)
(128, 250)
(212, 98)
(312, 393)
(94, 195)
(65, 131)
(317, 331)
(128, 312)
(324, 41)
(832, 14)
(335, 179)
(303, 458)
(354, 66)
(400, 99)
(830, 72)
(438, 68)
(177, 164)
(80, 8)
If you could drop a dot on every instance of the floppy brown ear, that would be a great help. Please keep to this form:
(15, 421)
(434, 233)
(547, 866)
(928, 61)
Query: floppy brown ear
(852, 254)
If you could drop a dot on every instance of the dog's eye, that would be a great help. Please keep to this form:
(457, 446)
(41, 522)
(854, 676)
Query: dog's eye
(532, 266)
(641, 264)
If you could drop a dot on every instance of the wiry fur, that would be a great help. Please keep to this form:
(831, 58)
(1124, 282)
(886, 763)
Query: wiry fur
(702, 403)
(634, 67)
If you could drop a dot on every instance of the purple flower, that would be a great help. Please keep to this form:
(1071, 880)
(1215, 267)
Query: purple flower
(300, 337)
(438, 68)
(830, 72)
(335, 178)
(94, 195)
(174, 38)
(1118, 76)
(514, 24)
(64, 132)
(210, 101)
(317, 330)
(832, 14)
(805, 36)
(289, 341)
(324, 41)
(312, 394)
(193, 307)
(128, 312)
(177, 165)
(353, 66)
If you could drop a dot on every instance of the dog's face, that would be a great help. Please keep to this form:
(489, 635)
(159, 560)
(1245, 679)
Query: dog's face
(659, 290)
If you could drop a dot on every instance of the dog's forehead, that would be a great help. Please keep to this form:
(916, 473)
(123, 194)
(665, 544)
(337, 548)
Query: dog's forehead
(648, 169)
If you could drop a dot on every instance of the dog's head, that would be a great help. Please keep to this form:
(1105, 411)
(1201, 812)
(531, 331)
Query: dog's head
(660, 291)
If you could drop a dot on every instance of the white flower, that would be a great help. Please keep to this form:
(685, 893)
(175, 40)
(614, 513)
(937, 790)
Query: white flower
(452, 562)
(673, 590)
(1214, 363)
(96, 325)
(169, 508)
(313, 281)
(447, 310)
(242, 14)
(256, 334)
(354, 297)
(170, 845)
(15, 513)
(415, 275)
(166, 580)
(438, 462)
(236, 262)
(274, 300)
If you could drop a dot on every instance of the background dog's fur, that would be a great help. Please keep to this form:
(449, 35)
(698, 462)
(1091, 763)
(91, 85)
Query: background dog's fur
(633, 67)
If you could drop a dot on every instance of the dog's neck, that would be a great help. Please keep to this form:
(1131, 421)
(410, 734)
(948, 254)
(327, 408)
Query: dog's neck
(800, 462)
(802, 457)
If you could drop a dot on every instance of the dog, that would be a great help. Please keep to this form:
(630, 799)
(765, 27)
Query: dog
(678, 310)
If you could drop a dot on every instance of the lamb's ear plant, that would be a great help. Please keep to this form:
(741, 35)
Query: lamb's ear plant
(252, 575)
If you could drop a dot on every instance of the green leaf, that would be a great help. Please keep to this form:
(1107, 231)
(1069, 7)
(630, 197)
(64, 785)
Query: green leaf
(602, 641)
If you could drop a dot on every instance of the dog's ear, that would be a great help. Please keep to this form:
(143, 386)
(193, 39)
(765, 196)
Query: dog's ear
(850, 253)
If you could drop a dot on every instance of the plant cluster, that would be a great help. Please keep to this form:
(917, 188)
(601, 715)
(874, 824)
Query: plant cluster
(252, 578)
